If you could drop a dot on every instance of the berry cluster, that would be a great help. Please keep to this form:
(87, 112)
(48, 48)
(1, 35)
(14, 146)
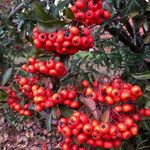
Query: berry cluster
(112, 93)
(96, 133)
(40, 97)
(80, 129)
(109, 130)
(45, 99)
(13, 102)
(64, 41)
(50, 67)
(89, 12)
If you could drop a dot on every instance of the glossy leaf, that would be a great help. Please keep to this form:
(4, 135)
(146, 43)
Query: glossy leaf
(3, 95)
(91, 105)
(68, 13)
(49, 122)
(147, 88)
(40, 12)
(142, 76)
(51, 26)
(66, 112)
(6, 76)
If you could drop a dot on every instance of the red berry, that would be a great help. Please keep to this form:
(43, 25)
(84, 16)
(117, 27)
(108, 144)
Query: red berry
(106, 14)
(74, 30)
(42, 37)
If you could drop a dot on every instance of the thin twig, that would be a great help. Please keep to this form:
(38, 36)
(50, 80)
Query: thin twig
(2, 5)
(16, 9)
(134, 33)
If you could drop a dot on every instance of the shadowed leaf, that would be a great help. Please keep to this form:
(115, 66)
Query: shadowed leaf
(6, 76)
(142, 76)
(91, 105)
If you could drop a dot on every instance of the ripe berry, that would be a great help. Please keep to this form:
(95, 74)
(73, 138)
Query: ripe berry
(147, 112)
(88, 128)
(76, 41)
(79, 4)
(108, 144)
(126, 135)
(66, 131)
(81, 138)
(122, 127)
(106, 14)
(85, 83)
(42, 37)
(90, 14)
(27, 113)
(104, 127)
(74, 30)
(127, 108)
(38, 43)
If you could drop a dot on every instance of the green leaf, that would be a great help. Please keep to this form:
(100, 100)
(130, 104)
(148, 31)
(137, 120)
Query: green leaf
(147, 88)
(66, 112)
(6, 76)
(49, 122)
(147, 105)
(68, 13)
(3, 95)
(133, 6)
(40, 12)
(1, 31)
(142, 76)
(59, 7)
(51, 26)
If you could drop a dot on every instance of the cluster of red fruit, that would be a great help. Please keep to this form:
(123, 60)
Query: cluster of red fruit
(118, 120)
(50, 67)
(13, 102)
(64, 41)
(89, 12)
(39, 96)
(96, 133)
(115, 92)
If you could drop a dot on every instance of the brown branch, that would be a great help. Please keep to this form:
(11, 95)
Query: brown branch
(124, 38)
(2, 5)
(16, 9)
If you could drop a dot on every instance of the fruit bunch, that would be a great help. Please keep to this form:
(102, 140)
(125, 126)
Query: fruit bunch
(50, 67)
(111, 93)
(89, 12)
(39, 97)
(64, 41)
(117, 121)
(13, 102)
(96, 133)
(81, 129)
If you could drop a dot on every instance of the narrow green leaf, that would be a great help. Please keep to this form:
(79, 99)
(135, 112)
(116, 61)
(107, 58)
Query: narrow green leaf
(51, 26)
(6, 76)
(68, 13)
(49, 122)
(147, 88)
(1, 31)
(40, 12)
(142, 76)
(59, 8)
(66, 112)
(3, 95)
(147, 105)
